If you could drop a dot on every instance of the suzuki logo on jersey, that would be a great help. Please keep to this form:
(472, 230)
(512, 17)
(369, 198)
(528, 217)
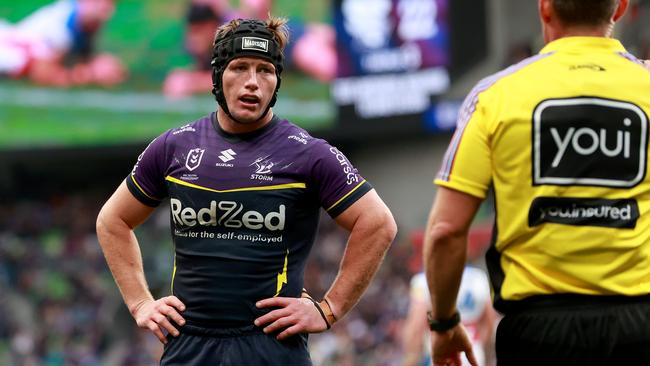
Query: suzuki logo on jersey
(227, 155)
(228, 214)
(193, 159)
(589, 141)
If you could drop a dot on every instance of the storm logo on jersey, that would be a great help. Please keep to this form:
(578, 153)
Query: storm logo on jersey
(227, 214)
(589, 141)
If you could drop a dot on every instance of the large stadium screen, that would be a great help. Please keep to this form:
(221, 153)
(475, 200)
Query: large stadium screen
(157, 43)
(393, 61)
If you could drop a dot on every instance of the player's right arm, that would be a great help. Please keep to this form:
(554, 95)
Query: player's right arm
(115, 223)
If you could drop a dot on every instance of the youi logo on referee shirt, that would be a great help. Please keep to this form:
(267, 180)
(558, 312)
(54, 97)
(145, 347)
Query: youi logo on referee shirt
(589, 141)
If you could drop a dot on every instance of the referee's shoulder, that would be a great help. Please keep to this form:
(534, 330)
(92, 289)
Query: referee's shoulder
(514, 72)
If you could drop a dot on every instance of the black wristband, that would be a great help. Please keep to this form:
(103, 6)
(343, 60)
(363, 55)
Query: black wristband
(320, 310)
(443, 325)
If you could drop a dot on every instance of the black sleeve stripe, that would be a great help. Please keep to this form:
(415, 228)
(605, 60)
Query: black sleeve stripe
(349, 200)
(139, 194)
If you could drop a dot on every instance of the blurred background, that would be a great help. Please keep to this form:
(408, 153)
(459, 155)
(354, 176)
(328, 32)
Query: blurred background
(86, 84)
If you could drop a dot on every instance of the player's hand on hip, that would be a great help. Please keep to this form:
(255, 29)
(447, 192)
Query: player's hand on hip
(295, 315)
(646, 63)
(157, 315)
(446, 347)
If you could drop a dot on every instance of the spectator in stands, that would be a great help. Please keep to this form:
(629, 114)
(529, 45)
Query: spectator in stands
(202, 19)
(55, 45)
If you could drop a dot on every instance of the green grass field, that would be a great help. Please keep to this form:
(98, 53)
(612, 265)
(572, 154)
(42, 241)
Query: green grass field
(147, 35)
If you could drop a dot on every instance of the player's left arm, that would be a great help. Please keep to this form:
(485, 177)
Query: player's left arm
(372, 230)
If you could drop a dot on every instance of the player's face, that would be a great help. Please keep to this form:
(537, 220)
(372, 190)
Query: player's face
(248, 85)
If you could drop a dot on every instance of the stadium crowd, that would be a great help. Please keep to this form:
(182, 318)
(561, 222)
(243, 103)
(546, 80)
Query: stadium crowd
(61, 307)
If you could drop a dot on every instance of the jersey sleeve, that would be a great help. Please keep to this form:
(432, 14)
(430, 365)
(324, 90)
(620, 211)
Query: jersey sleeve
(147, 179)
(337, 182)
(467, 165)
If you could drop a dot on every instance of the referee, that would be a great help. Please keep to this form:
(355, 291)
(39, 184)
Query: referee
(562, 141)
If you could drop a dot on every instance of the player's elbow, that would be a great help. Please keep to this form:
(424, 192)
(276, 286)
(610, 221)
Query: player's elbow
(101, 225)
(106, 224)
(386, 228)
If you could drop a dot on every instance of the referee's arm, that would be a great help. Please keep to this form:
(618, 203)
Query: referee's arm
(445, 252)
(115, 223)
(445, 247)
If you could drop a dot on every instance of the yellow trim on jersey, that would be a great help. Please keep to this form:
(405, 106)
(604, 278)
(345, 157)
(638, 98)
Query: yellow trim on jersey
(346, 196)
(142, 190)
(244, 189)
(173, 274)
(282, 277)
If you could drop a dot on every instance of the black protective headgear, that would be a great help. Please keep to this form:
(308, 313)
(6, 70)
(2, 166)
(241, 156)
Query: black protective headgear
(250, 38)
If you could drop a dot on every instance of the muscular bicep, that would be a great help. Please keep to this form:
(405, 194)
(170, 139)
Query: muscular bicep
(124, 207)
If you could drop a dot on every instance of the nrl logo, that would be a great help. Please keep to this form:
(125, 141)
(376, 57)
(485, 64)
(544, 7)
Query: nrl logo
(255, 43)
(194, 157)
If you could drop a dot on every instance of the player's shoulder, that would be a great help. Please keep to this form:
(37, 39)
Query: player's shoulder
(298, 137)
(188, 130)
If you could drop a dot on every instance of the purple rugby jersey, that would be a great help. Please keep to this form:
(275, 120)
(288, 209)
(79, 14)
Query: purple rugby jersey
(244, 211)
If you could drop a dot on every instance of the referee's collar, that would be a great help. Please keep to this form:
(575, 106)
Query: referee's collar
(584, 44)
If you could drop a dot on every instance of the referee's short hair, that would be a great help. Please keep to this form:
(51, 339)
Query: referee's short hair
(584, 12)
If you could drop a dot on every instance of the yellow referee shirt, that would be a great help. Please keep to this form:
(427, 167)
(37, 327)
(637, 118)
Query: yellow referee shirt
(562, 138)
